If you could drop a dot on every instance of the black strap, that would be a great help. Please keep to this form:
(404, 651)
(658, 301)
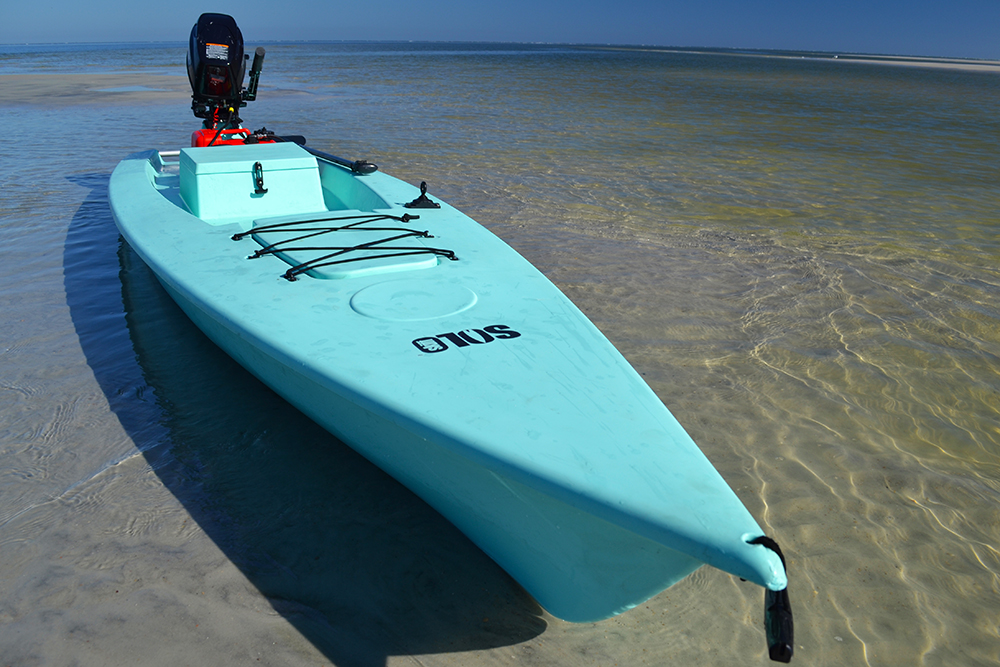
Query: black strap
(314, 227)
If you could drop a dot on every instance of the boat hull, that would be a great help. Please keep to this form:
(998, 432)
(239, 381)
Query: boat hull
(533, 536)
(473, 381)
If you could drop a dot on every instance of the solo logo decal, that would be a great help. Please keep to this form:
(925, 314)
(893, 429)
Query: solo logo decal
(464, 338)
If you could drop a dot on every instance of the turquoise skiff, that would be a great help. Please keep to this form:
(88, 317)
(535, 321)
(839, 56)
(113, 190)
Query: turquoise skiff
(435, 350)
(449, 361)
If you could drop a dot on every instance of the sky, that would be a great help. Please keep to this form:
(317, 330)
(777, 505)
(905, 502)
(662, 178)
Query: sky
(952, 28)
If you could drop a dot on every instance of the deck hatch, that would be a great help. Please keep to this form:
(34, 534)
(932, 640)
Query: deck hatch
(345, 245)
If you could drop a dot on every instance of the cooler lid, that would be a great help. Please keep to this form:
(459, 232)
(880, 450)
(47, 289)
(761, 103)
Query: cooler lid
(232, 159)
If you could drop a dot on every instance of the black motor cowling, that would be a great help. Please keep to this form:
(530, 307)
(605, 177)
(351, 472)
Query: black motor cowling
(216, 66)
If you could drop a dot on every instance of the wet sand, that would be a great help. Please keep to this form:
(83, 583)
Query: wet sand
(66, 89)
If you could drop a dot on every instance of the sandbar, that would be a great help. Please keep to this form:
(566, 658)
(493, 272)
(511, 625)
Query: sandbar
(71, 89)
(914, 61)
(969, 64)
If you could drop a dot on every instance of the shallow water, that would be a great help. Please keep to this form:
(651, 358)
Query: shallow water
(800, 256)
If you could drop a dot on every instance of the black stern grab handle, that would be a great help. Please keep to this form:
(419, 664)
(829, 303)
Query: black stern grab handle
(778, 624)
(360, 167)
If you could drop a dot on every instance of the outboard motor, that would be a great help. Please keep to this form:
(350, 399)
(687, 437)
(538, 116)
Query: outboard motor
(216, 66)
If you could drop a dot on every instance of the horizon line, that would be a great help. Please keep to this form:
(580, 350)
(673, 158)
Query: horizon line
(736, 50)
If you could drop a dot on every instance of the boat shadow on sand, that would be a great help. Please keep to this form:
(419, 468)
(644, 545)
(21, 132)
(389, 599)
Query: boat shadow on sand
(359, 565)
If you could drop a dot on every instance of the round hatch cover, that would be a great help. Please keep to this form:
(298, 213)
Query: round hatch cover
(412, 300)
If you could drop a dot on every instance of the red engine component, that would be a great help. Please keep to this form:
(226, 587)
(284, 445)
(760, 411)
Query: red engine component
(233, 137)
(226, 137)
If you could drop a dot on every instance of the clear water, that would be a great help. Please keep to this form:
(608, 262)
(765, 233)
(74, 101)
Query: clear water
(799, 255)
